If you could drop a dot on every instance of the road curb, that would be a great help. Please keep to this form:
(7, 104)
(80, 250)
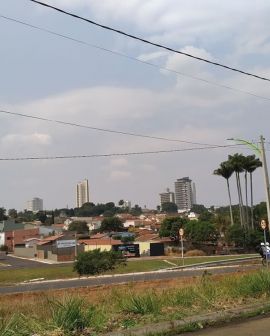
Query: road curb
(196, 322)
(213, 263)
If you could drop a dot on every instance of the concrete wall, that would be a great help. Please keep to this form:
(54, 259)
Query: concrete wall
(26, 252)
(52, 256)
(2, 238)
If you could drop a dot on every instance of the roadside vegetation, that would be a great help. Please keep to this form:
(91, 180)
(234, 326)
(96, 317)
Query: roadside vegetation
(126, 307)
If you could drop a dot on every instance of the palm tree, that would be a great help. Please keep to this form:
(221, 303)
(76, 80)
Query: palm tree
(246, 165)
(251, 164)
(237, 161)
(225, 170)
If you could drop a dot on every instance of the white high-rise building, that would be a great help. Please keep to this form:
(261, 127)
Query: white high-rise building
(183, 194)
(82, 193)
(35, 204)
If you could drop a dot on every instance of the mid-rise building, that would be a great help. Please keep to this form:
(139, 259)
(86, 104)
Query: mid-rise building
(127, 204)
(183, 194)
(35, 204)
(166, 197)
(82, 193)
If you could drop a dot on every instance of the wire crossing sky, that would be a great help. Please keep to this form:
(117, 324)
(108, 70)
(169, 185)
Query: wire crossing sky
(81, 101)
(149, 42)
(116, 53)
(114, 154)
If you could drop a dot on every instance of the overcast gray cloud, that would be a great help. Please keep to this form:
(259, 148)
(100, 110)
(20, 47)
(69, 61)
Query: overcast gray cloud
(62, 80)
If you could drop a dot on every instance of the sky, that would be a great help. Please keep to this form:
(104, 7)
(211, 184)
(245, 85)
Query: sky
(51, 77)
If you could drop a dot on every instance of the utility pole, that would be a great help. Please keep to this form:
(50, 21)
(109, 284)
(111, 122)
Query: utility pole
(266, 179)
(76, 247)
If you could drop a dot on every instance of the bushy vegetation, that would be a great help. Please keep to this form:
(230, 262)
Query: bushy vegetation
(170, 227)
(126, 308)
(195, 253)
(97, 261)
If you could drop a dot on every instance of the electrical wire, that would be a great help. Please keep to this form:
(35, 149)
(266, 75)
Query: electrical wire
(114, 154)
(117, 53)
(103, 129)
(147, 41)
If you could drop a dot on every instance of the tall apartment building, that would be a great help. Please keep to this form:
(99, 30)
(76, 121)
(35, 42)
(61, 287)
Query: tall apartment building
(166, 197)
(183, 193)
(35, 204)
(82, 193)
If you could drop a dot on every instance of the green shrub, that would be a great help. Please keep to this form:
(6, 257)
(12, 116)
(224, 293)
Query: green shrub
(70, 314)
(141, 304)
(20, 325)
(185, 297)
(96, 261)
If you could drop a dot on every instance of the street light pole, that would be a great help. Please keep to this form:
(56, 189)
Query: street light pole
(266, 179)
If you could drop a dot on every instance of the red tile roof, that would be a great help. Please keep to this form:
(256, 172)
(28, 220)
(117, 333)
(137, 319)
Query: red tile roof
(100, 242)
(99, 236)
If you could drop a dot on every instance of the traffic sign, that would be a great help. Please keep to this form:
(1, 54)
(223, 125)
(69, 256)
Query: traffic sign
(263, 224)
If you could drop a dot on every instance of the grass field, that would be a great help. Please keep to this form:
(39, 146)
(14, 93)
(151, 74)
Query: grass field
(93, 311)
(50, 272)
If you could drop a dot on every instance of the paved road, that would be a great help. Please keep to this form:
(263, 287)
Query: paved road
(8, 262)
(94, 281)
(254, 327)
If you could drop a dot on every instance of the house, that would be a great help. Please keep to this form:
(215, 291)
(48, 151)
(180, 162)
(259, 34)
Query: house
(132, 223)
(193, 216)
(59, 248)
(152, 245)
(18, 237)
(110, 244)
(104, 244)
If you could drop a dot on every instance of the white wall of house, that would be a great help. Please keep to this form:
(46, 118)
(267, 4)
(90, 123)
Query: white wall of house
(2, 238)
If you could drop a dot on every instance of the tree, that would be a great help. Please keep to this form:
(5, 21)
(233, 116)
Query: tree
(225, 170)
(96, 261)
(170, 227)
(12, 213)
(250, 165)
(237, 163)
(169, 207)
(136, 211)
(197, 231)
(41, 216)
(3, 214)
(26, 216)
(198, 208)
(206, 216)
(236, 234)
(78, 226)
(121, 202)
(260, 211)
(241, 237)
(109, 224)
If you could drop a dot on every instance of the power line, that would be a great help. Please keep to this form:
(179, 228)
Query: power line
(104, 129)
(147, 41)
(113, 154)
(117, 53)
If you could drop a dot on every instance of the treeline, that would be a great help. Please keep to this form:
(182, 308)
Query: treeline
(87, 210)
